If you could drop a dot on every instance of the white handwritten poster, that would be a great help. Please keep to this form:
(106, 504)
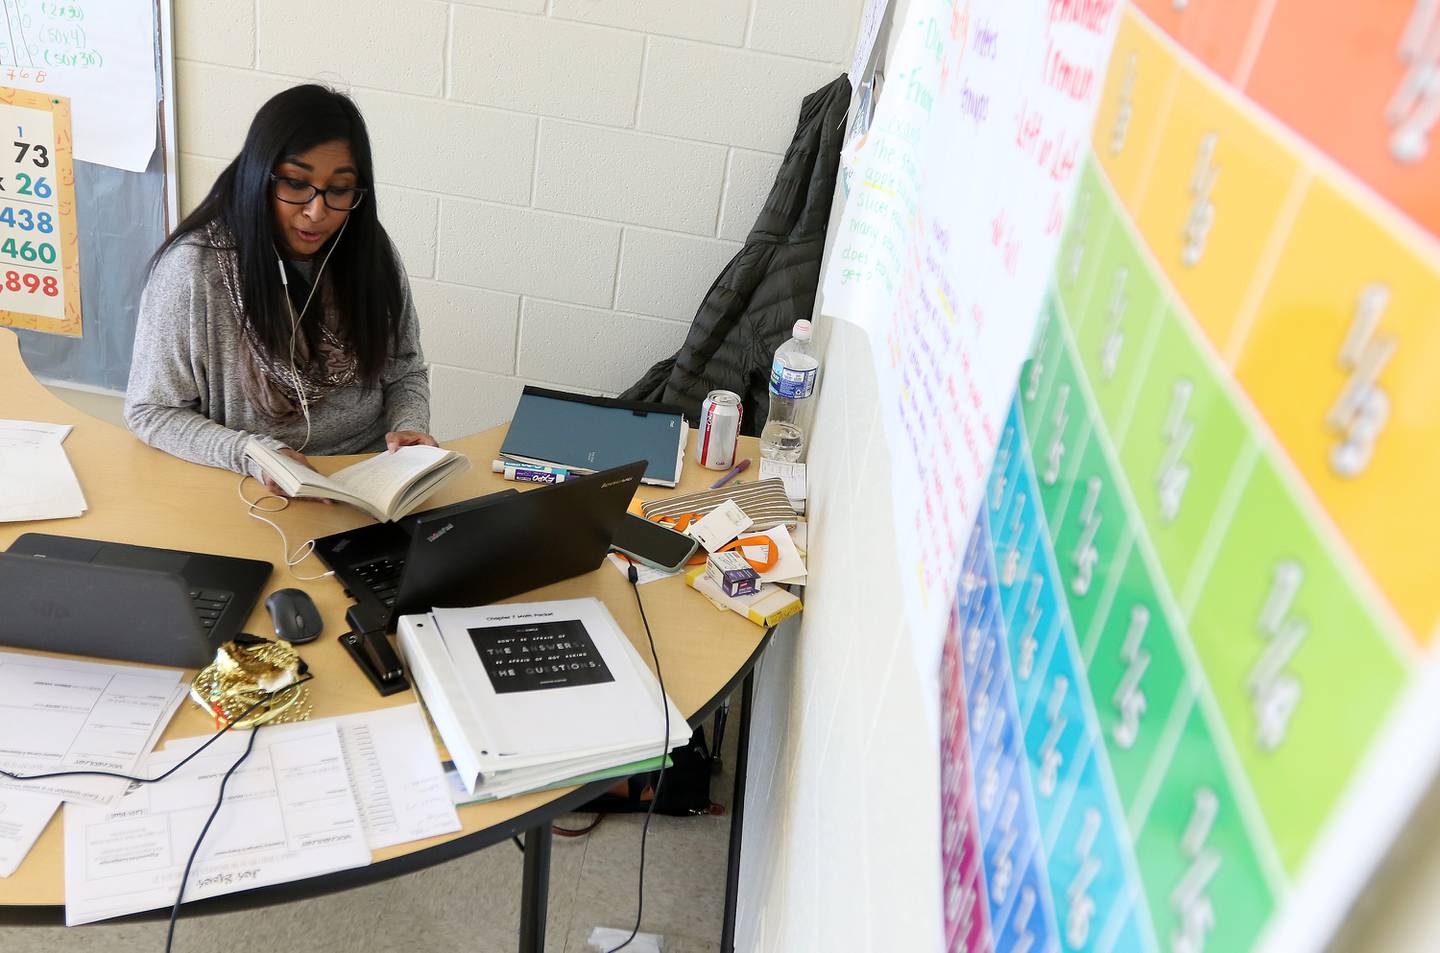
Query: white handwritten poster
(949, 231)
(870, 20)
(99, 53)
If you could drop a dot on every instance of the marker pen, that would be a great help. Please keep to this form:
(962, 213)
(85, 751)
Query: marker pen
(529, 472)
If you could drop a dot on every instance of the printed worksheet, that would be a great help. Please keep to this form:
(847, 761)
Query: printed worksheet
(22, 818)
(288, 814)
(59, 715)
(394, 769)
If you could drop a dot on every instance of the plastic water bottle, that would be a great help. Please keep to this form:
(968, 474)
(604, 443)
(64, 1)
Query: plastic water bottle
(792, 385)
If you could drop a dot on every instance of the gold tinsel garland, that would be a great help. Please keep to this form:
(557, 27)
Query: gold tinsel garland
(253, 672)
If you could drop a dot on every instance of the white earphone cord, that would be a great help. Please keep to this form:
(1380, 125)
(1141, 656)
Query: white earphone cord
(295, 325)
(302, 552)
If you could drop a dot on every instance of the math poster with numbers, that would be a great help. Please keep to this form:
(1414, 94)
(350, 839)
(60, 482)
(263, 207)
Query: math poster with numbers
(39, 250)
(1188, 688)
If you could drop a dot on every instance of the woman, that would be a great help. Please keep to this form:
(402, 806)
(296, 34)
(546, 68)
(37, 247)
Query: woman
(278, 311)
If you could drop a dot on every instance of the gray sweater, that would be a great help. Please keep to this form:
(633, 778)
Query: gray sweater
(185, 394)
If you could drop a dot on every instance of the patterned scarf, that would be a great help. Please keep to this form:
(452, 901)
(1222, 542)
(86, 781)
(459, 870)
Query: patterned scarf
(267, 379)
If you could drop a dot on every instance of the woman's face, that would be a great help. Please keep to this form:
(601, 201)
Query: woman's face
(305, 227)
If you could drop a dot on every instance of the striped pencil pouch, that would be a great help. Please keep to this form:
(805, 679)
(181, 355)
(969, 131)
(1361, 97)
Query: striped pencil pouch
(764, 501)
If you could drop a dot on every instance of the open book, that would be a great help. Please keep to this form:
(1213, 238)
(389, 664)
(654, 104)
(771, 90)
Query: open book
(387, 486)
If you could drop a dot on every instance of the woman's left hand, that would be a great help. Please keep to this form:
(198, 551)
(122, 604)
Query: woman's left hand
(396, 439)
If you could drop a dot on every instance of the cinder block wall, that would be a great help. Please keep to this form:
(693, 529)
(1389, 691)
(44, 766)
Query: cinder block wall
(564, 178)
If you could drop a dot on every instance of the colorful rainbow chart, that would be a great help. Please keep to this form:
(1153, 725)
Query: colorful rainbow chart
(1201, 585)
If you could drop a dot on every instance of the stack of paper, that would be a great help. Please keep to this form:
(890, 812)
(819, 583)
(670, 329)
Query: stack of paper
(63, 715)
(529, 695)
(312, 798)
(289, 812)
(494, 790)
(36, 480)
(393, 769)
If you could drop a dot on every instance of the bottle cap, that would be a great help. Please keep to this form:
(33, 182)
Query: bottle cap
(802, 330)
(497, 466)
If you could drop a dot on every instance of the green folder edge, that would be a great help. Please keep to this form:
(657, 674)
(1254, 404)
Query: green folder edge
(603, 774)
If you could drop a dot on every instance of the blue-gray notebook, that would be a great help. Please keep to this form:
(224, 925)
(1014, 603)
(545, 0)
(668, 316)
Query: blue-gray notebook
(597, 433)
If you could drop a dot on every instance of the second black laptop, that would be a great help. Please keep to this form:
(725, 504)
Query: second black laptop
(121, 601)
(482, 550)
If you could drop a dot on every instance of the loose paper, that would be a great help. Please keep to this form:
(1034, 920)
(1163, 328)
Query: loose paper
(645, 573)
(101, 54)
(789, 566)
(870, 19)
(719, 526)
(792, 475)
(31, 433)
(393, 768)
(942, 251)
(288, 813)
(38, 483)
(22, 818)
(59, 714)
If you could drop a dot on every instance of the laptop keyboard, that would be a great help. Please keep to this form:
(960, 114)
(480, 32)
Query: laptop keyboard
(382, 577)
(209, 604)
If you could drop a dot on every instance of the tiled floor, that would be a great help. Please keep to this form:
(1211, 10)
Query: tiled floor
(471, 905)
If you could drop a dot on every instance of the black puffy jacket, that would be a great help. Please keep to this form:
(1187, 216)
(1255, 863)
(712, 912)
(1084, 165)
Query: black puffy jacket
(769, 284)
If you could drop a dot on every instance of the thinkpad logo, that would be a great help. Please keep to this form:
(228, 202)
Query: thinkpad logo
(440, 532)
(53, 611)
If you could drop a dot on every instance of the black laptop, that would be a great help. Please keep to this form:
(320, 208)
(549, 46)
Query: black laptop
(120, 601)
(481, 550)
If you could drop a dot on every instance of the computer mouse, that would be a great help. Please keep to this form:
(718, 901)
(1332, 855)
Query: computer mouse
(295, 616)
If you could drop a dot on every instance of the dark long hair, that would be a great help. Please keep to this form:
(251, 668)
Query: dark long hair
(362, 271)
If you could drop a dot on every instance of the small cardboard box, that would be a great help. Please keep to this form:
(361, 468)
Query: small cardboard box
(766, 607)
(731, 574)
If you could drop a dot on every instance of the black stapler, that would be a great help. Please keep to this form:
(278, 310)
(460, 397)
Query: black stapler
(370, 648)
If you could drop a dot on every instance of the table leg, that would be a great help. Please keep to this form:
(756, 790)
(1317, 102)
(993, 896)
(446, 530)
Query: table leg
(722, 714)
(737, 815)
(535, 889)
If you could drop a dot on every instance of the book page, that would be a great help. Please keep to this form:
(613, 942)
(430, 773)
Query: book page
(291, 475)
(383, 478)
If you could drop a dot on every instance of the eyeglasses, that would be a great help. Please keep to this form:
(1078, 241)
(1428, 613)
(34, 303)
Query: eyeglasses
(299, 192)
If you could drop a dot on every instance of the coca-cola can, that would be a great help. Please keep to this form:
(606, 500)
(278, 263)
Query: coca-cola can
(719, 430)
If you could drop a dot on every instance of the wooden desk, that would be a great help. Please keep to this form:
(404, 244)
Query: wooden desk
(139, 495)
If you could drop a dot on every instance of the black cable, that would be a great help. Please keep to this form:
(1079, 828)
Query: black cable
(634, 575)
(175, 910)
(219, 800)
(173, 768)
(518, 842)
(578, 831)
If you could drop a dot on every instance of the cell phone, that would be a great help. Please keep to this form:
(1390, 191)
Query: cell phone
(653, 545)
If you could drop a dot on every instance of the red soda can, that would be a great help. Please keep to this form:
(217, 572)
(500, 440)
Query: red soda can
(719, 430)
